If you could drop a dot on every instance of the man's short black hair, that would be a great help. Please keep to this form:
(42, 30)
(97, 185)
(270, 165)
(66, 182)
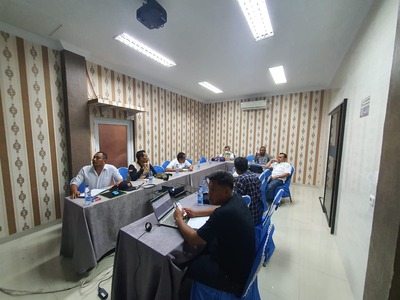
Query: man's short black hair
(105, 156)
(180, 155)
(241, 164)
(140, 154)
(222, 178)
(284, 154)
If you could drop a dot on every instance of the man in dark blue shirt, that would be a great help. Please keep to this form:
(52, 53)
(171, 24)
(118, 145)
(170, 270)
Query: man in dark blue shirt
(248, 183)
(228, 236)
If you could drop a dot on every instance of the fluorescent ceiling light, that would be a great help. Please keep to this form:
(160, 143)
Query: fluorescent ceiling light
(142, 48)
(278, 73)
(256, 13)
(210, 87)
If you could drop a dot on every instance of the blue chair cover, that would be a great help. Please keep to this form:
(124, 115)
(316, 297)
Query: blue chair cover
(159, 169)
(203, 159)
(275, 204)
(202, 292)
(189, 160)
(286, 187)
(250, 158)
(81, 187)
(247, 199)
(165, 164)
(124, 172)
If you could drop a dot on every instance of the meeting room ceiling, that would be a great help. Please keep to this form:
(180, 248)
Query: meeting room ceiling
(209, 40)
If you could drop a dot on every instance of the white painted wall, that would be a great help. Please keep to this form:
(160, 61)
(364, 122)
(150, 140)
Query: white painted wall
(365, 72)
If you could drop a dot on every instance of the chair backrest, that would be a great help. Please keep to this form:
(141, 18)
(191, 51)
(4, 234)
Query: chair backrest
(81, 187)
(165, 164)
(264, 177)
(247, 199)
(258, 260)
(250, 158)
(159, 169)
(275, 204)
(286, 185)
(202, 159)
(189, 160)
(124, 172)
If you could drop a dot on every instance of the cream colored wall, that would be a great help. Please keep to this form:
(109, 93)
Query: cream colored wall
(172, 123)
(365, 72)
(293, 123)
(33, 156)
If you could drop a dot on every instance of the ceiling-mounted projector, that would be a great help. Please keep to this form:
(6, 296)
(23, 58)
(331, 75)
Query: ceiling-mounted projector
(152, 14)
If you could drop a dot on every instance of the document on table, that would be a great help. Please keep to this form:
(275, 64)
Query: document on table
(95, 192)
(197, 222)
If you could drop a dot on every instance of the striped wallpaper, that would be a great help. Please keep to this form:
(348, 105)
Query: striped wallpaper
(33, 156)
(172, 123)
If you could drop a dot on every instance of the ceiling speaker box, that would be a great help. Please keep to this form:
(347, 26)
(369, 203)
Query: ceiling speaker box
(152, 15)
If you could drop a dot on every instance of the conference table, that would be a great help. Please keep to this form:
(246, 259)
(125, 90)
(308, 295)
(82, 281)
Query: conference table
(90, 232)
(148, 265)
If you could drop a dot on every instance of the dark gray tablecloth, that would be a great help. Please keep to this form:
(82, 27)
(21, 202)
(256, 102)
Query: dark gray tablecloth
(146, 264)
(88, 233)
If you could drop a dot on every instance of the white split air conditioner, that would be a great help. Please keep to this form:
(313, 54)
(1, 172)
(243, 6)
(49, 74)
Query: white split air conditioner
(254, 105)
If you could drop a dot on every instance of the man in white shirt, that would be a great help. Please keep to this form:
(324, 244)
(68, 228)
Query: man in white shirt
(280, 170)
(227, 154)
(179, 162)
(98, 175)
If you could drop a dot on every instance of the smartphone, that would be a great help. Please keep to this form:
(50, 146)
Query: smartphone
(179, 205)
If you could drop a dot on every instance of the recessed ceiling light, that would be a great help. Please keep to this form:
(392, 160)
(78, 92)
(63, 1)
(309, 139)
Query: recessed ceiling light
(256, 13)
(278, 74)
(210, 87)
(142, 48)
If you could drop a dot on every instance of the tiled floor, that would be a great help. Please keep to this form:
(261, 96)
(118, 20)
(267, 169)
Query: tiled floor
(304, 266)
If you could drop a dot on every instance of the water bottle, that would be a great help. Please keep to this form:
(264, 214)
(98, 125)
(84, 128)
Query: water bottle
(200, 196)
(88, 196)
(198, 165)
(177, 169)
(204, 186)
(151, 176)
(210, 160)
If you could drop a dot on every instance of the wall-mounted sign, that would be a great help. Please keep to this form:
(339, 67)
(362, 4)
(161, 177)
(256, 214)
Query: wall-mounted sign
(364, 111)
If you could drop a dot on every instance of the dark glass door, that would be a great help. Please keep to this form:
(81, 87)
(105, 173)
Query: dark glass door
(336, 133)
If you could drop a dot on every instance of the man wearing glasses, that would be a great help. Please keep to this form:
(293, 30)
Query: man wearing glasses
(98, 175)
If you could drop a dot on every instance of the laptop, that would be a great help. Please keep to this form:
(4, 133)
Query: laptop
(164, 208)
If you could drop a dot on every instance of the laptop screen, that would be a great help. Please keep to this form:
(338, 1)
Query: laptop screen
(162, 205)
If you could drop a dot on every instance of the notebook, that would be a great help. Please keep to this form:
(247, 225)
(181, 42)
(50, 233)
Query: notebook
(164, 208)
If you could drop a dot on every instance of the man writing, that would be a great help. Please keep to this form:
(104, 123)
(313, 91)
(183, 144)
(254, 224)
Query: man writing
(98, 175)
(247, 183)
(180, 163)
(280, 170)
(228, 236)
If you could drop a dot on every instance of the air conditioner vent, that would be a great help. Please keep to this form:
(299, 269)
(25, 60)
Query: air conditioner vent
(254, 105)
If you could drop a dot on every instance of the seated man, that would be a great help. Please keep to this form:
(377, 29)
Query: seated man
(280, 170)
(262, 157)
(247, 183)
(98, 175)
(228, 235)
(227, 154)
(179, 162)
(140, 168)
